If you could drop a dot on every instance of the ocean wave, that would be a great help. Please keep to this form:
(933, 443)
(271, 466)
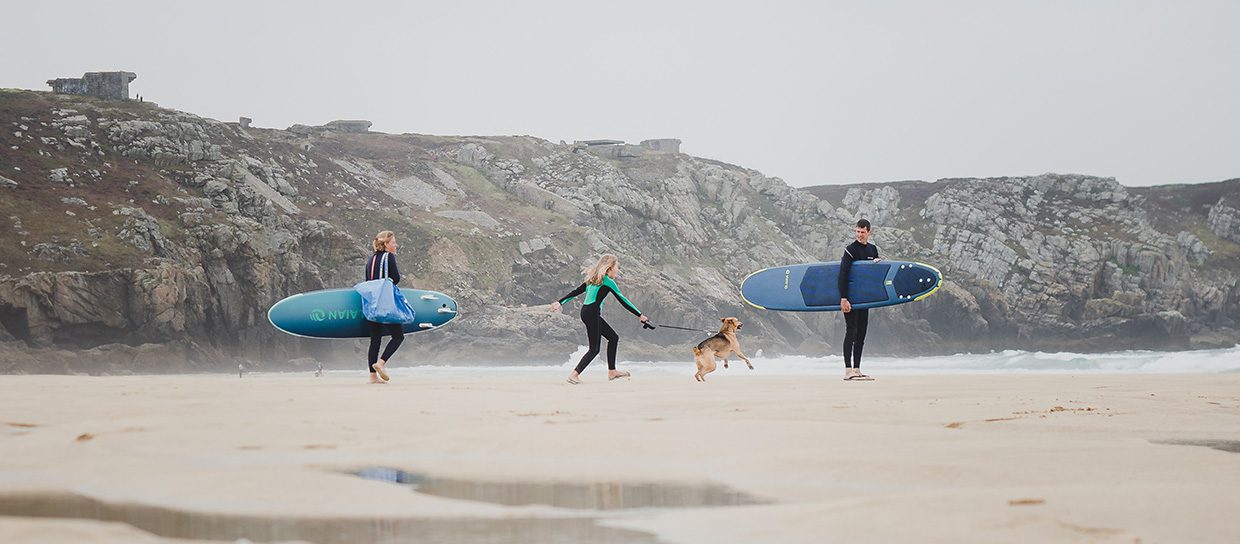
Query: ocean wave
(1001, 362)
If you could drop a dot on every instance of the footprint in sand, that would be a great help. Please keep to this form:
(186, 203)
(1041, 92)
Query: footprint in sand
(21, 425)
(1098, 531)
(959, 424)
(91, 436)
(1026, 502)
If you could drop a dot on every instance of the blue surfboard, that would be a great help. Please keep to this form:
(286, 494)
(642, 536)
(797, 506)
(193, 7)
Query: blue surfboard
(337, 313)
(814, 287)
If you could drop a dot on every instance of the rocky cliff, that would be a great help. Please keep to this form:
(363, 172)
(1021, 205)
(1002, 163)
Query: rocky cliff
(144, 239)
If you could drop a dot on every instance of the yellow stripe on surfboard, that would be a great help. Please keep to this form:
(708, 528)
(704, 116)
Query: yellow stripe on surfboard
(742, 291)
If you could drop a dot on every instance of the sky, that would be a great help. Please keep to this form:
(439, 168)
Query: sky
(811, 92)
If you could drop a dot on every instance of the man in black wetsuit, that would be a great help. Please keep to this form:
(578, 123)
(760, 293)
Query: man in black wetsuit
(855, 320)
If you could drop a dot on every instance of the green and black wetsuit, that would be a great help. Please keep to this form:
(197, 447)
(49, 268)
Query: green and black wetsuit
(596, 326)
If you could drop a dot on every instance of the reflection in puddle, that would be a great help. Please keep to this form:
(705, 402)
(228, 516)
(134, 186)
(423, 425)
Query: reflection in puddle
(168, 522)
(597, 497)
(1232, 446)
(584, 496)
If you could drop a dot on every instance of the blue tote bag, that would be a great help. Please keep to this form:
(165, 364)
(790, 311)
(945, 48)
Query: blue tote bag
(382, 301)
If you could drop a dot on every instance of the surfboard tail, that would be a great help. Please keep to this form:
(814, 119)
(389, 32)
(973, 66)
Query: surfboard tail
(937, 284)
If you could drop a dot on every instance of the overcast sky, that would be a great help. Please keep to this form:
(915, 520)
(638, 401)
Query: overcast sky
(812, 92)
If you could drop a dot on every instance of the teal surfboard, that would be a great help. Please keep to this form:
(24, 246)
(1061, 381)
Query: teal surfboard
(337, 313)
(814, 287)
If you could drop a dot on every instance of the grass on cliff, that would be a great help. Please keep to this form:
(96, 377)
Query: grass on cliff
(1176, 208)
(923, 232)
(1127, 269)
(1225, 254)
(47, 223)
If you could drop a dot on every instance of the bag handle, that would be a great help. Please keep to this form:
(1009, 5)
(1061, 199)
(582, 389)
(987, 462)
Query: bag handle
(385, 259)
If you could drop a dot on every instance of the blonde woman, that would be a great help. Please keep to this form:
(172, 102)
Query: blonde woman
(385, 250)
(599, 282)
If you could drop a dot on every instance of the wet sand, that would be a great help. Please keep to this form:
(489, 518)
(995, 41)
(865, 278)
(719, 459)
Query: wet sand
(1094, 458)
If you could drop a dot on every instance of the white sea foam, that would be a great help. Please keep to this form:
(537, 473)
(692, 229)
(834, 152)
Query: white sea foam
(1003, 362)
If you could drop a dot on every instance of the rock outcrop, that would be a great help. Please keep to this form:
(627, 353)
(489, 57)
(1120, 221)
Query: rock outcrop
(146, 239)
(1224, 220)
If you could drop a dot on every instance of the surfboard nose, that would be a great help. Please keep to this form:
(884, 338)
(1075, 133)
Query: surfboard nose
(915, 280)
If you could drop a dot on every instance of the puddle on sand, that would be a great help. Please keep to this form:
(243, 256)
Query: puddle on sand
(605, 500)
(1231, 446)
(173, 523)
(579, 496)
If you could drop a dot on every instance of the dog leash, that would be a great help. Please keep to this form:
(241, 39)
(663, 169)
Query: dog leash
(651, 326)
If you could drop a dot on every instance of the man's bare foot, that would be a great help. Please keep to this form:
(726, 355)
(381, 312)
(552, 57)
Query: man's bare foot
(375, 379)
(379, 368)
(613, 374)
(855, 375)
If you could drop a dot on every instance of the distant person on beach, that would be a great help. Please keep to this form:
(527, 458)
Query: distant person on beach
(855, 320)
(385, 247)
(599, 282)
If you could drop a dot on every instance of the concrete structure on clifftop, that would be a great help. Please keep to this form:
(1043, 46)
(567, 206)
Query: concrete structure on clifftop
(617, 149)
(356, 126)
(350, 125)
(106, 85)
(662, 145)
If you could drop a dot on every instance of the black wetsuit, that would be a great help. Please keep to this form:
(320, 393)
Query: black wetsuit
(374, 271)
(596, 326)
(855, 321)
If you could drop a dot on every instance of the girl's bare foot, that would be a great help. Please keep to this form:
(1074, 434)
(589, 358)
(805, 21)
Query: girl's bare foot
(375, 379)
(379, 368)
(613, 374)
(574, 378)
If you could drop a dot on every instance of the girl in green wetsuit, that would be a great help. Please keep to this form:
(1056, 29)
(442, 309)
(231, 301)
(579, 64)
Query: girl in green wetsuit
(599, 282)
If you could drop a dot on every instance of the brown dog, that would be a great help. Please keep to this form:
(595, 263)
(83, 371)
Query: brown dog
(720, 345)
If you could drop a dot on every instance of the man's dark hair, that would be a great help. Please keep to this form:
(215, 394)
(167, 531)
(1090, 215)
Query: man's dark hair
(864, 223)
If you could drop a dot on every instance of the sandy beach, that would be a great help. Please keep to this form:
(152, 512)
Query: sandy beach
(740, 459)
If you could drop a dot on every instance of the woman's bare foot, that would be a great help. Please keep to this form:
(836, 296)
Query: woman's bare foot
(613, 374)
(574, 378)
(381, 370)
(375, 379)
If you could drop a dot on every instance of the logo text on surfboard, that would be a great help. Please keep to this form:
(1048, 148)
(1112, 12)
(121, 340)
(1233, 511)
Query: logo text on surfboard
(319, 314)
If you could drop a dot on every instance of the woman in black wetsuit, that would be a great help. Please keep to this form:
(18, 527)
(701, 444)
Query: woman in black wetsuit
(385, 247)
(599, 282)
